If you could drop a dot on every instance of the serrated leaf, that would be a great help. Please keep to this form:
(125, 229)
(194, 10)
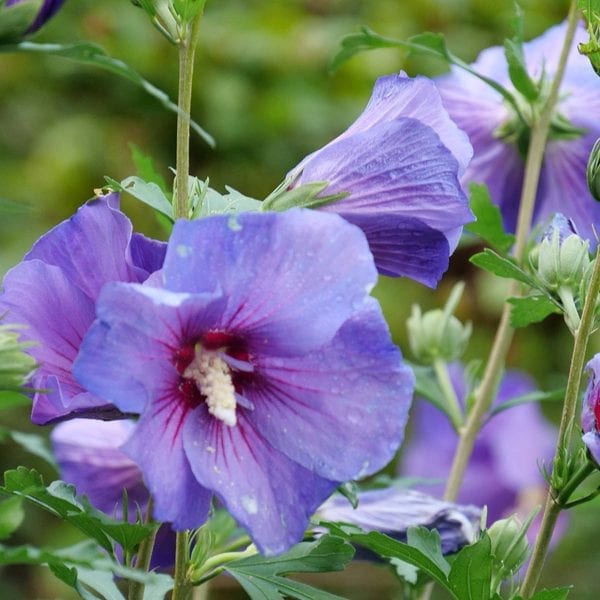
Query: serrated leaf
(88, 53)
(503, 267)
(471, 573)
(208, 202)
(59, 498)
(531, 309)
(11, 516)
(146, 169)
(262, 577)
(148, 193)
(430, 544)
(488, 225)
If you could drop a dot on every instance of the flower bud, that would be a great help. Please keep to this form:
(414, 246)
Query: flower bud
(19, 18)
(509, 545)
(593, 171)
(562, 256)
(435, 334)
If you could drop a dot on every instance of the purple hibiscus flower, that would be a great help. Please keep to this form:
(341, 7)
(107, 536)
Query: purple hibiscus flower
(47, 10)
(590, 415)
(393, 510)
(491, 125)
(88, 456)
(263, 371)
(399, 164)
(503, 472)
(53, 293)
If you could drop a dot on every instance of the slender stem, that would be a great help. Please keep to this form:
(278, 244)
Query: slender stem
(485, 393)
(556, 497)
(580, 476)
(144, 556)
(182, 586)
(187, 52)
(215, 564)
(441, 372)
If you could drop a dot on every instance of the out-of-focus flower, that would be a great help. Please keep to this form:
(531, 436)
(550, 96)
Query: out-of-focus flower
(398, 165)
(47, 10)
(590, 416)
(263, 371)
(499, 139)
(503, 472)
(88, 455)
(53, 292)
(393, 510)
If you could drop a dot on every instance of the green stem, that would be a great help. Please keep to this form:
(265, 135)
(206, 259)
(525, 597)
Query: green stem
(214, 565)
(144, 555)
(580, 476)
(484, 395)
(182, 586)
(441, 372)
(555, 496)
(187, 52)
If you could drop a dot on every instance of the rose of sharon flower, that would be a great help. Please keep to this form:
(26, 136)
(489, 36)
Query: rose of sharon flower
(53, 294)
(393, 510)
(399, 164)
(88, 455)
(47, 10)
(263, 372)
(590, 416)
(503, 472)
(492, 127)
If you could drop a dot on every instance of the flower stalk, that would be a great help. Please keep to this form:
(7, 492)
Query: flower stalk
(182, 586)
(556, 497)
(485, 393)
(144, 556)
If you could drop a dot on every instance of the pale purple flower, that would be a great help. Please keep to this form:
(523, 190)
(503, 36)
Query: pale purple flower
(504, 470)
(497, 162)
(590, 416)
(263, 371)
(53, 292)
(47, 10)
(89, 457)
(399, 163)
(393, 510)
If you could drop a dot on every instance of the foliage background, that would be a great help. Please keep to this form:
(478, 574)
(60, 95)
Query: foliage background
(263, 89)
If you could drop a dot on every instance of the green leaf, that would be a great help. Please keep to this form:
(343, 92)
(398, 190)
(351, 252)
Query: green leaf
(554, 594)
(503, 267)
(537, 396)
(303, 196)
(425, 556)
(148, 193)
(430, 544)
(405, 571)
(59, 499)
(207, 202)
(471, 573)
(9, 399)
(350, 491)
(88, 53)
(146, 169)
(10, 207)
(262, 577)
(426, 386)
(11, 516)
(531, 309)
(15, 20)
(32, 443)
(488, 226)
(517, 68)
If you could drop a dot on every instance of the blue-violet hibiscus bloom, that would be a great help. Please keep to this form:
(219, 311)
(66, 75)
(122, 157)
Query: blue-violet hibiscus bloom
(53, 292)
(262, 370)
(590, 416)
(498, 137)
(399, 165)
(47, 10)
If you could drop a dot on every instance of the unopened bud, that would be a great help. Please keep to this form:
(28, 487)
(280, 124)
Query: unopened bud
(593, 171)
(509, 545)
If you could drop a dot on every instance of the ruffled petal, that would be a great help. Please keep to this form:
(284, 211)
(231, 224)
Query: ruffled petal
(267, 493)
(339, 411)
(290, 279)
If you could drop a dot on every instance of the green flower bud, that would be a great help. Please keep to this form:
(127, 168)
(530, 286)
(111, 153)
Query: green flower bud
(509, 546)
(15, 366)
(593, 171)
(436, 334)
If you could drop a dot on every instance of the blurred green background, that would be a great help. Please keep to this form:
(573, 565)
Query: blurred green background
(263, 89)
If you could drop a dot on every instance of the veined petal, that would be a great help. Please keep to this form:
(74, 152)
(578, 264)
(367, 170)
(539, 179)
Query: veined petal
(320, 266)
(270, 495)
(353, 394)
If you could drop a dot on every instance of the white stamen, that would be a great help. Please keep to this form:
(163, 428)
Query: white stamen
(213, 378)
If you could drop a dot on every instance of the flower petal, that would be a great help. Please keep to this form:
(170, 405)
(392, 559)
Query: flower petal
(290, 279)
(267, 493)
(352, 394)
